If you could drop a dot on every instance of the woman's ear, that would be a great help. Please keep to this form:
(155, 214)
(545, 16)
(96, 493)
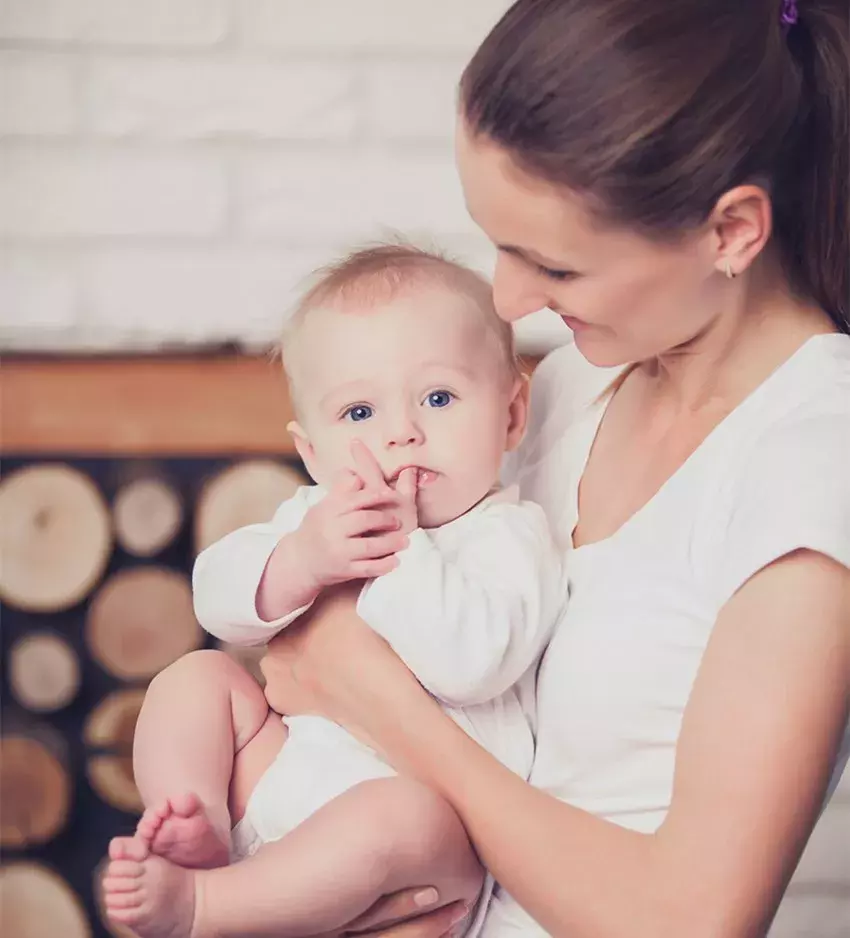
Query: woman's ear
(518, 413)
(303, 446)
(742, 222)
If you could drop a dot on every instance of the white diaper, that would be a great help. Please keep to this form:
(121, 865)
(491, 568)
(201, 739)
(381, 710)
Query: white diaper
(244, 841)
(318, 762)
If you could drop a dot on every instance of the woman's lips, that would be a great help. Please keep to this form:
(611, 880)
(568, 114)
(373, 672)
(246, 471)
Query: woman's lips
(575, 324)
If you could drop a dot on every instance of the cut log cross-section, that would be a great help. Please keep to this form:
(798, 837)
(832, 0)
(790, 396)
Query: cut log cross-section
(35, 787)
(109, 733)
(55, 537)
(37, 903)
(44, 672)
(244, 493)
(141, 620)
(148, 514)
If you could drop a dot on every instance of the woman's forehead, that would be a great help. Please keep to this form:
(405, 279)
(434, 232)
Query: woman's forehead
(515, 208)
(533, 218)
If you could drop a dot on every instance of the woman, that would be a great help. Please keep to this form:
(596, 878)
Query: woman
(672, 178)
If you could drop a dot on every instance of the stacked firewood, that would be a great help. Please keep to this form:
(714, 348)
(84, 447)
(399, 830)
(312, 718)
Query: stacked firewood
(95, 568)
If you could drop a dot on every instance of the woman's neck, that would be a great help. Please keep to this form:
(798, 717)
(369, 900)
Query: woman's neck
(762, 327)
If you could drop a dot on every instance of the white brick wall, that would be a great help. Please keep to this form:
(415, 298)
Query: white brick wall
(37, 94)
(170, 171)
(365, 26)
(219, 97)
(117, 22)
(84, 192)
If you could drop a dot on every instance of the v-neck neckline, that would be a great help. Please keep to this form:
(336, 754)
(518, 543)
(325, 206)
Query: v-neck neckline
(593, 424)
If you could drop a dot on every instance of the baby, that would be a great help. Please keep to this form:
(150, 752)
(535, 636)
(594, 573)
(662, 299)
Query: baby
(408, 395)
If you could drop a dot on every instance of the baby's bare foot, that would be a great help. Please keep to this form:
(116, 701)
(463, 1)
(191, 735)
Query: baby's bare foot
(182, 831)
(153, 897)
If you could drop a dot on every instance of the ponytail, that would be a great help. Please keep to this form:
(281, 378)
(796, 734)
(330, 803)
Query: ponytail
(813, 222)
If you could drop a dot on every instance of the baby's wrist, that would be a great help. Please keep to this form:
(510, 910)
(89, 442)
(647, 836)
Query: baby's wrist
(288, 582)
(304, 565)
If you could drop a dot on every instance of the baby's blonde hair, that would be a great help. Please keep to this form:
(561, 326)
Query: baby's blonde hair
(378, 273)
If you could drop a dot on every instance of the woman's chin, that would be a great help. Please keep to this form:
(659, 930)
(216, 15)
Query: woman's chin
(601, 351)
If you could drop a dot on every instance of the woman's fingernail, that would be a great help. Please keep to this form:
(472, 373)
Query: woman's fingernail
(425, 898)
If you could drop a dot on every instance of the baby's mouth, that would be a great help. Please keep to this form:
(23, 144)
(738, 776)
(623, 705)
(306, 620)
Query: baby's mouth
(424, 477)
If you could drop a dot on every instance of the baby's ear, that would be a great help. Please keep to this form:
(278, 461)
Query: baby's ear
(303, 446)
(518, 412)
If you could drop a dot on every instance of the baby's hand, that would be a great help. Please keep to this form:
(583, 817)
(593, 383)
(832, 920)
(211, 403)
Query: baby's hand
(401, 494)
(406, 487)
(352, 534)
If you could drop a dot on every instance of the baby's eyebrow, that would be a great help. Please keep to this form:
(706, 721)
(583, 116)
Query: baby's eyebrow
(351, 389)
(443, 366)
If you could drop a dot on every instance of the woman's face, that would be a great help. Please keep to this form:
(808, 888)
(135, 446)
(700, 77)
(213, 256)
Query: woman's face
(626, 298)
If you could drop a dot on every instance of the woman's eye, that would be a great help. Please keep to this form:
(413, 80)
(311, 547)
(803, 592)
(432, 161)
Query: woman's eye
(358, 412)
(440, 398)
(556, 274)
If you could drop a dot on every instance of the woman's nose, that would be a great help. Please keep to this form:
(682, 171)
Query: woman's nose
(516, 290)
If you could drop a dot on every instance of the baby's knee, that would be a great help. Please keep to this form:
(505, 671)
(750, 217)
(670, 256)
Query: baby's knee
(196, 666)
(205, 668)
(211, 679)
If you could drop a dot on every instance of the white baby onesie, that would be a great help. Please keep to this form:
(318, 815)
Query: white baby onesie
(469, 609)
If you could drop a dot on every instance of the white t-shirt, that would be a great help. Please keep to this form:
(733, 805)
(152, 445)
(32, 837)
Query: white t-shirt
(774, 476)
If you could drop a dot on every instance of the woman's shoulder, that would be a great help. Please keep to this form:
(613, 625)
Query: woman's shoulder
(793, 436)
(787, 478)
(808, 400)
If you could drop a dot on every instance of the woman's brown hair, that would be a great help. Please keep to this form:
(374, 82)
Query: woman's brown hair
(654, 108)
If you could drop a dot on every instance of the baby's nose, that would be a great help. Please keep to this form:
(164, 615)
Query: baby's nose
(405, 432)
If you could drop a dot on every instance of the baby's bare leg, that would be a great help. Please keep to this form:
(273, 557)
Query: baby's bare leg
(197, 715)
(380, 837)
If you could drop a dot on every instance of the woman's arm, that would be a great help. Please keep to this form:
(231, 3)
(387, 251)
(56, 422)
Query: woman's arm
(758, 740)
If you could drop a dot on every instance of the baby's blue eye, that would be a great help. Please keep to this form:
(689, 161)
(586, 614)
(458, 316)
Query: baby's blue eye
(358, 412)
(440, 398)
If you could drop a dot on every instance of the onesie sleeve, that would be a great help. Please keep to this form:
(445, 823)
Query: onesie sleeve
(227, 574)
(792, 494)
(469, 622)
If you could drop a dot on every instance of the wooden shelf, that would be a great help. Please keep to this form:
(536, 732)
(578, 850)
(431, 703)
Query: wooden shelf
(156, 405)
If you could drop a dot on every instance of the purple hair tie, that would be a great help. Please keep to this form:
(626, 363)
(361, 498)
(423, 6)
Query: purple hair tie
(790, 14)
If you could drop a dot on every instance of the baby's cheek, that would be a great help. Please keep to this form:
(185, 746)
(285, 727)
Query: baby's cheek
(331, 460)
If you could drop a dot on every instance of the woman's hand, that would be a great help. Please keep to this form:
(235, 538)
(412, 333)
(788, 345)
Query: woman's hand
(401, 915)
(332, 664)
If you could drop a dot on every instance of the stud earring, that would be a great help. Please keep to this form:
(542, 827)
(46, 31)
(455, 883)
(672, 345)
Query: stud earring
(727, 269)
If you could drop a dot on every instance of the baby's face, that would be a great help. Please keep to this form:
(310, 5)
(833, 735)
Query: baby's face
(420, 381)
